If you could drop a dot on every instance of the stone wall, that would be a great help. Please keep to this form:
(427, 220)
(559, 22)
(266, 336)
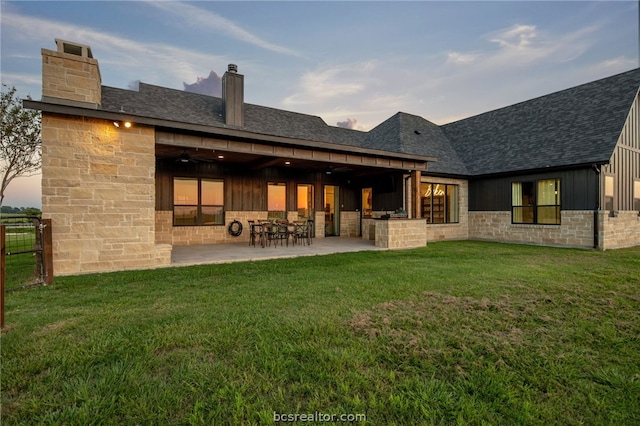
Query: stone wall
(369, 229)
(620, 230)
(400, 233)
(448, 231)
(319, 224)
(576, 229)
(70, 78)
(98, 188)
(349, 224)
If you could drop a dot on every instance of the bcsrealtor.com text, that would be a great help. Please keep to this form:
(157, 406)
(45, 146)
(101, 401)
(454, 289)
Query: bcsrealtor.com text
(319, 416)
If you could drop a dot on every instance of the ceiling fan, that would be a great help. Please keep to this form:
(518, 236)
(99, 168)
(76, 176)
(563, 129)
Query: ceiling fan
(184, 158)
(333, 169)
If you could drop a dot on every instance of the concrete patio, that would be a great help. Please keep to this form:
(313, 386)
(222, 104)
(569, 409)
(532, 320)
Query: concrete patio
(240, 252)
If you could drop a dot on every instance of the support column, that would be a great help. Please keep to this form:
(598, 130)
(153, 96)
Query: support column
(416, 210)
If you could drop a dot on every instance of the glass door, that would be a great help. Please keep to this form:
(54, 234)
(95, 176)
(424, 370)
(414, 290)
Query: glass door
(331, 211)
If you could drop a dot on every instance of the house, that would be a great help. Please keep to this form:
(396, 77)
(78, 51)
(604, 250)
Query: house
(128, 174)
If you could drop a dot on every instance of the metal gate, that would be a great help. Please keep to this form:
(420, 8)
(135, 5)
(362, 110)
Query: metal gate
(24, 262)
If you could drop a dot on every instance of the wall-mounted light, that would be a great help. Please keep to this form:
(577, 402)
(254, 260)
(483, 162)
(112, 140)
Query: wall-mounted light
(126, 124)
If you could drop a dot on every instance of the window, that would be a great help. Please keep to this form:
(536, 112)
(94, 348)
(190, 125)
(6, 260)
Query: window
(536, 202)
(305, 202)
(367, 206)
(636, 195)
(276, 200)
(608, 192)
(198, 202)
(439, 202)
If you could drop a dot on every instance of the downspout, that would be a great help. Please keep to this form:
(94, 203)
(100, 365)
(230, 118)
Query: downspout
(596, 222)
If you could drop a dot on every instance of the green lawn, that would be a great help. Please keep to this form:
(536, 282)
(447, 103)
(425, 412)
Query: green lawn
(454, 333)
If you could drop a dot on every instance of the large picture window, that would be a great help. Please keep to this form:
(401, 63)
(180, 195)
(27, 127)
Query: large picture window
(198, 202)
(439, 202)
(536, 202)
(276, 200)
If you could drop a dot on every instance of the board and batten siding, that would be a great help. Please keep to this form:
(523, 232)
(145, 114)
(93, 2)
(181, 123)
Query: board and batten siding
(578, 189)
(625, 161)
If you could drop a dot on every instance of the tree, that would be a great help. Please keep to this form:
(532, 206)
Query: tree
(21, 140)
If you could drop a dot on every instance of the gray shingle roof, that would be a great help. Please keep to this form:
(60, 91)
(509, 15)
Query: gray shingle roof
(185, 107)
(576, 126)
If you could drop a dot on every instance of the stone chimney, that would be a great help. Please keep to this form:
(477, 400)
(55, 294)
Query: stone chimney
(70, 75)
(233, 97)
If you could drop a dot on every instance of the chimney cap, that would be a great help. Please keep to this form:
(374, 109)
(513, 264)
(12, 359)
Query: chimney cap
(232, 68)
(73, 48)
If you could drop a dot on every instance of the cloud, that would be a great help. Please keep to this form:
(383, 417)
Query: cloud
(516, 37)
(210, 86)
(209, 21)
(336, 81)
(349, 123)
(154, 61)
(12, 78)
(461, 58)
(614, 65)
(526, 45)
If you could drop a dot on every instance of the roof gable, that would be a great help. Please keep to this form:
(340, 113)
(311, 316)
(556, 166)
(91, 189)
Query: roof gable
(408, 133)
(576, 126)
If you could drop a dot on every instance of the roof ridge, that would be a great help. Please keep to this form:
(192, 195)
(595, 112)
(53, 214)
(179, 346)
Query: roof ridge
(557, 92)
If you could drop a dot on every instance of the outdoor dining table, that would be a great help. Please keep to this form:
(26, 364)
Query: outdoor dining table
(279, 231)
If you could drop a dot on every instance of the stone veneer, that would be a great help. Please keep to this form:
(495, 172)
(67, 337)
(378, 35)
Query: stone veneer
(70, 77)
(620, 230)
(576, 229)
(349, 224)
(369, 229)
(98, 188)
(400, 233)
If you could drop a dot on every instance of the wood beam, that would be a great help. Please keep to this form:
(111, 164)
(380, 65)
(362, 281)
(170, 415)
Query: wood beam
(416, 209)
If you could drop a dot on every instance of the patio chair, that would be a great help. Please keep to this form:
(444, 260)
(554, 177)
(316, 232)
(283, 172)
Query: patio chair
(255, 231)
(302, 233)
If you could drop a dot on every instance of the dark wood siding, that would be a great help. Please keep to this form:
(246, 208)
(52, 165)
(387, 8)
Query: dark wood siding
(246, 190)
(578, 190)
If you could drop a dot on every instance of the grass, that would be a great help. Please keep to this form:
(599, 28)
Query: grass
(455, 333)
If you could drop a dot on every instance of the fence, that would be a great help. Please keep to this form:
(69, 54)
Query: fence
(26, 254)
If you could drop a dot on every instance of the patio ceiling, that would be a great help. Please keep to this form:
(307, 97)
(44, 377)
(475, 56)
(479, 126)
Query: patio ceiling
(256, 161)
(255, 155)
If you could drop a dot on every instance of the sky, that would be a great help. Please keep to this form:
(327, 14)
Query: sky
(354, 63)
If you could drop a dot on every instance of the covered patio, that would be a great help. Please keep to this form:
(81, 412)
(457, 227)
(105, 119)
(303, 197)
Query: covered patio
(202, 254)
